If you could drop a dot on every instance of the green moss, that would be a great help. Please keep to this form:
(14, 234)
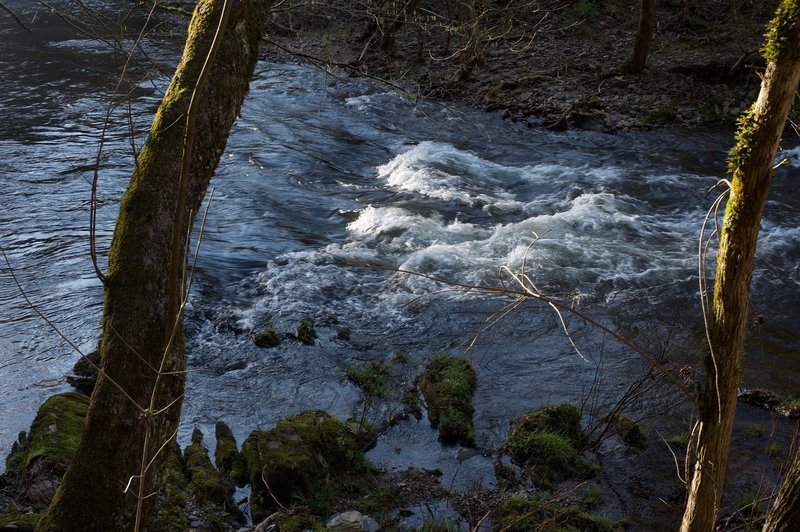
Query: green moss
(546, 443)
(15, 461)
(297, 520)
(592, 494)
(364, 432)
(300, 457)
(267, 338)
(537, 512)
(553, 458)
(629, 432)
(439, 525)
(781, 29)
(19, 522)
(229, 461)
(306, 333)
(411, 401)
(506, 476)
(563, 419)
(372, 377)
(343, 334)
(400, 356)
(448, 384)
(170, 510)
(56, 431)
(773, 451)
(755, 430)
(661, 116)
(207, 486)
(747, 124)
(679, 440)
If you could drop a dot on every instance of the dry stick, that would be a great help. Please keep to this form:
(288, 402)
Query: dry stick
(96, 175)
(560, 306)
(702, 279)
(674, 458)
(61, 334)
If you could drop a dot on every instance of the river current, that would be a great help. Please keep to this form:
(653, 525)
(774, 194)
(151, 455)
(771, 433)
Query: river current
(330, 190)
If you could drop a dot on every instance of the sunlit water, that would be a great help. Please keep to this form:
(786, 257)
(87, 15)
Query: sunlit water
(329, 191)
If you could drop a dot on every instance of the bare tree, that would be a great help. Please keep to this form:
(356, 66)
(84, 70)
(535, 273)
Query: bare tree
(644, 37)
(135, 407)
(750, 165)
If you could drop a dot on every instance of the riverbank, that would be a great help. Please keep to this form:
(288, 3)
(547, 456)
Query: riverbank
(552, 66)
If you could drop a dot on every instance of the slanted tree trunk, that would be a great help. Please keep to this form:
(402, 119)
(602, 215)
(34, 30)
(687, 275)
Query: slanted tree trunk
(750, 164)
(135, 408)
(644, 37)
(784, 516)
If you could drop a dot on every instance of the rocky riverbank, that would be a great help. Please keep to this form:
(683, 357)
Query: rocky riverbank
(552, 65)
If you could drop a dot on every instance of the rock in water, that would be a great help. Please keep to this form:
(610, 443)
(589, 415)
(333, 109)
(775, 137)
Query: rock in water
(352, 521)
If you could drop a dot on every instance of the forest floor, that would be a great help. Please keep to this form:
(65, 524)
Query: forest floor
(556, 66)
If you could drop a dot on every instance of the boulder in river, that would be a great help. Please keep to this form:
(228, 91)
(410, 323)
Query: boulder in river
(304, 456)
(448, 383)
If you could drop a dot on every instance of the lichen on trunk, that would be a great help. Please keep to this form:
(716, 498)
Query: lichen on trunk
(751, 166)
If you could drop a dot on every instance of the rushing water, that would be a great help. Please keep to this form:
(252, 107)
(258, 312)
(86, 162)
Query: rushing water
(330, 190)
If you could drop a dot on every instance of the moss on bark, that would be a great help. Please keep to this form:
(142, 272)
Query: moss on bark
(137, 322)
(751, 165)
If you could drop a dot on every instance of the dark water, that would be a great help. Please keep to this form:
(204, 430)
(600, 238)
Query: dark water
(331, 185)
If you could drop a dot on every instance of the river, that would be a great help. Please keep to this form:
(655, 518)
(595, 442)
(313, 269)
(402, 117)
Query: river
(329, 187)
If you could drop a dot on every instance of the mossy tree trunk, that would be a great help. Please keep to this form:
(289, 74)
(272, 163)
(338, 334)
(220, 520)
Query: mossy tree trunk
(644, 37)
(784, 515)
(140, 311)
(750, 166)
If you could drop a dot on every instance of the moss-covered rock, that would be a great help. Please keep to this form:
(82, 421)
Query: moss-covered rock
(629, 432)
(170, 511)
(56, 431)
(563, 419)
(39, 459)
(547, 444)
(372, 377)
(267, 338)
(537, 512)
(306, 333)
(506, 477)
(448, 383)
(229, 461)
(207, 486)
(304, 458)
(298, 520)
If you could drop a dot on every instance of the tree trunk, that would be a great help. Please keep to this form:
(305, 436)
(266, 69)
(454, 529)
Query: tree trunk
(135, 407)
(750, 164)
(644, 37)
(784, 515)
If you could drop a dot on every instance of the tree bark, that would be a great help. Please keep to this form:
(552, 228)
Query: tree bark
(784, 515)
(644, 37)
(135, 407)
(750, 164)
